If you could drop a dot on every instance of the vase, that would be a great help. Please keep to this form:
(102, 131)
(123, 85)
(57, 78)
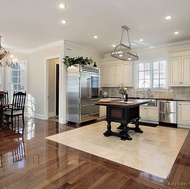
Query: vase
(124, 97)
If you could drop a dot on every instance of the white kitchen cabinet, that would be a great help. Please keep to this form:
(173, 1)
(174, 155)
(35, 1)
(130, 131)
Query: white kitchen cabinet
(123, 74)
(115, 72)
(119, 74)
(102, 111)
(179, 71)
(127, 69)
(108, 74)
(183, 114)
(149, 113)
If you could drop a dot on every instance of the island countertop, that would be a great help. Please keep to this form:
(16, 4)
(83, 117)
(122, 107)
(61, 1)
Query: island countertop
(131, 102)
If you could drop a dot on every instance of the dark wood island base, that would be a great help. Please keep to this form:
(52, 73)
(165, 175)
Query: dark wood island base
(123, 113)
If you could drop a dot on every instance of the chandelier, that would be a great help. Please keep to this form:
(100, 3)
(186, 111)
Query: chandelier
(6, 58)
(122, 51)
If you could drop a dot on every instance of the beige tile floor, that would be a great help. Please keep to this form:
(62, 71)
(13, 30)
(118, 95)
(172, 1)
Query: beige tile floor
(153, 151)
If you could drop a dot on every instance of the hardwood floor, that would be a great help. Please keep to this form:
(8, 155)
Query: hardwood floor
(32, 162)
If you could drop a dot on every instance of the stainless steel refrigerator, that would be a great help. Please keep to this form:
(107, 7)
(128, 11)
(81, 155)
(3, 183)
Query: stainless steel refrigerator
(83, 89)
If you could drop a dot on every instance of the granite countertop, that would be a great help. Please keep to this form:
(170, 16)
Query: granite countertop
(172, 99)
(132, 102)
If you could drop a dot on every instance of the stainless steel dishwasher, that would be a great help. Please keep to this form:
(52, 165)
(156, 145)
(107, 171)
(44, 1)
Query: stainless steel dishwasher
(168, 112)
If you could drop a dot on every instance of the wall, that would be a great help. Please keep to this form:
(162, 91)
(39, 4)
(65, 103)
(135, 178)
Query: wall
(72, 50)
(37, 76)
(37, 80)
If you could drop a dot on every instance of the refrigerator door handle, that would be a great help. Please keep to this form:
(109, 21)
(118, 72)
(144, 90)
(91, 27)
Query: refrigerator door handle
(90, 88)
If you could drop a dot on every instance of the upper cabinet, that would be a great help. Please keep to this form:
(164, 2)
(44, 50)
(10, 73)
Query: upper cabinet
(179, 71)
(108, 74)
(115, 72)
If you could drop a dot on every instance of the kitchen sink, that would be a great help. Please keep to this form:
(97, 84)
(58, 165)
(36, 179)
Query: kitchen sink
(152, 102)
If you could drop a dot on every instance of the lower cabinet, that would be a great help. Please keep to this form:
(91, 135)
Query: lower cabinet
(102, 111)
(183, 114)
(149, 113)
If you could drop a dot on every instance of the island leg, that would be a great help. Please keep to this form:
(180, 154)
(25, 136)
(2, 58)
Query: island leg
(108, 132)
(124, 133)
(137, 128)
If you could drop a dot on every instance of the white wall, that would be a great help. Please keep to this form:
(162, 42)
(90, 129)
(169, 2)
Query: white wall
(37, 80)
(37, 76)
(72, 50)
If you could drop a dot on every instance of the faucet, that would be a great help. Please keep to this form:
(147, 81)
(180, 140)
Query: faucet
(144, 91)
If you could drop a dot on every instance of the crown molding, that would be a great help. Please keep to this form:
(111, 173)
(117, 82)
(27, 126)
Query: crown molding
(48, 46)
(45, 47)
(164, 46)
(84, 48)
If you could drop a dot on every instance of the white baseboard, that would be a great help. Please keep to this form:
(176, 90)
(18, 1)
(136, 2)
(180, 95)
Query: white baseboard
(183, 126)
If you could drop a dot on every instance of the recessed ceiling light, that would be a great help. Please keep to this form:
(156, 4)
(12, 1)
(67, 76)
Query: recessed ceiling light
(62, 6)
(113, 45)
(63, 21)
(176, 32)
(141, 40)
(95, 37)
(168, 17)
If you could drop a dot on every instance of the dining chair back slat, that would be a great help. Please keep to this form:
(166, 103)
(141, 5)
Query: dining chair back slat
(4, 98)
(16, 109)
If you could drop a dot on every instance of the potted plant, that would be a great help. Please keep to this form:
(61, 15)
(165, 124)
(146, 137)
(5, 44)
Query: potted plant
(68, 61)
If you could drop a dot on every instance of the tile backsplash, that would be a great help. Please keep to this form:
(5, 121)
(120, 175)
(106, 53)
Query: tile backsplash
(178, 93)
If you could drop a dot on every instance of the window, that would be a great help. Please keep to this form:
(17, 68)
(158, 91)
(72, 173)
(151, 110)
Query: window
(152, 74)
(17, 77)
(159, 74)
(144, 75)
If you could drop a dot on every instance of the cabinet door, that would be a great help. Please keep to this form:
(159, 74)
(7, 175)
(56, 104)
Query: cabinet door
(119, 74)
(127, 81)
(149, 113)
(102, 111)
(104, 76)
(123, 74)
(152, 113)
(143, 112)
(175, 71)
(111, 75)
(108, 75)
(183, 113)
(186, 70)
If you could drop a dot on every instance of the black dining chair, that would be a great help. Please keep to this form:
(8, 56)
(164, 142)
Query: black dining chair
(1, 116)
(4, 99)
(16, 109)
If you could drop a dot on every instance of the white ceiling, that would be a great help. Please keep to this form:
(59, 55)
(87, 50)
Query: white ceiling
(29, 24)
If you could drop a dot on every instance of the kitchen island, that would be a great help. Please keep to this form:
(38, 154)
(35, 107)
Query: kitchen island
(123, 112)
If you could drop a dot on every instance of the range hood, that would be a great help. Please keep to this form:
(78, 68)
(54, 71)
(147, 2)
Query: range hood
(122, 51)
